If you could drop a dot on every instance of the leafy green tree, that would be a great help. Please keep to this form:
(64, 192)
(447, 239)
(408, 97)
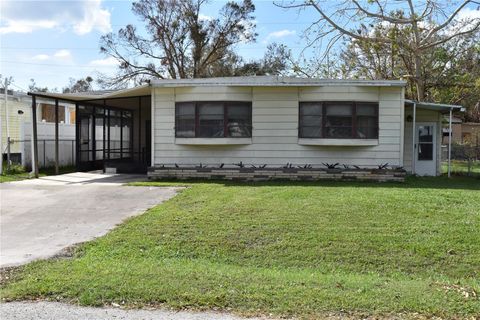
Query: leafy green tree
(451, 70)
(387, 30)
(180, 42)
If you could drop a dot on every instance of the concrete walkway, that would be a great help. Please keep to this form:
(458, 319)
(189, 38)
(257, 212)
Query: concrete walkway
(40, 217)
(54, 310)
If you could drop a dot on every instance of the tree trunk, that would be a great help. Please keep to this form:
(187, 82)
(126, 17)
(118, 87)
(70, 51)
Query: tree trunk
(419, 82)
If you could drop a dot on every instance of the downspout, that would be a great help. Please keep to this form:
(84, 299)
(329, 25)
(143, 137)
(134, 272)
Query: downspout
(449, 142)
(414, 136)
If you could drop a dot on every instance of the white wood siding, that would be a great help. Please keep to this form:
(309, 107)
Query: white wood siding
(275, 127)
(423, 115)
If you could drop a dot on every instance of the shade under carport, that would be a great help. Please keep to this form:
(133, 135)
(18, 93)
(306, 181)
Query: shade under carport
(440, 107)
(87, 97)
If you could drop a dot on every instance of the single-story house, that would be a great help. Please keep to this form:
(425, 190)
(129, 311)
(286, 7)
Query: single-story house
(262, 127)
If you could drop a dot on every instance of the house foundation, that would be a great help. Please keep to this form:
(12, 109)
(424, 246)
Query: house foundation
(269, 174)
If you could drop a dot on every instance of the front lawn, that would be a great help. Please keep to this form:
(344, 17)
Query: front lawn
(287, 249)
(18, 173)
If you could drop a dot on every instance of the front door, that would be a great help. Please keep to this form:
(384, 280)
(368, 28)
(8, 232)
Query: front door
(85, 142)
(426, 149)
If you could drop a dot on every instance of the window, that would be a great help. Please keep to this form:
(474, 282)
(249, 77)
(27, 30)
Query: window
(48, 113)
(425, 142)
(213, 119)
(311, 114)
(338, 120)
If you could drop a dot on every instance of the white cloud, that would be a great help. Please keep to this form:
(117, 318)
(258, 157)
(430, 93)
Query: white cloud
(468, 14)
(25, 26)
(94, 17)
(62, 54)
(204, 17)
(464, 21)
(83, 16)
(249, 26)
(41, 57)
(107, 62)
(279, 34)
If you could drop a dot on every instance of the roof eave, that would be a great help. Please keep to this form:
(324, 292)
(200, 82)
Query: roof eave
(436, 106)
(272, 82)
(69, 97)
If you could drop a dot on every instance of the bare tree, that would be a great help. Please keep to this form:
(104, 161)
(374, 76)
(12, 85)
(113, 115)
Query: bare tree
(180, 41)
(430, 24)
(80, 85)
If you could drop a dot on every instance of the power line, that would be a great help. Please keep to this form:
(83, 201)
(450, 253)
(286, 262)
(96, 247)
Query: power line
(54, 65)
(86, 48)
(12, 84)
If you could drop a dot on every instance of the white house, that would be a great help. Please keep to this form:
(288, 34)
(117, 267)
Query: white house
(226, 127)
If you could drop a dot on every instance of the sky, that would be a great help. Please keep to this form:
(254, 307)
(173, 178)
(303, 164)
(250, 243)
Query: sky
(53, 41)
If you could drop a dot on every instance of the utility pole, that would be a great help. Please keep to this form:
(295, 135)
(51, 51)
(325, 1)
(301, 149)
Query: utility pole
(1, 139)
(6, 84)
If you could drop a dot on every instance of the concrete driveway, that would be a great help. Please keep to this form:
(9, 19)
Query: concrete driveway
(40, 217)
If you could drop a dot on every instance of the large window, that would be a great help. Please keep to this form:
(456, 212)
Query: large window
(338, 120)
(213, 119)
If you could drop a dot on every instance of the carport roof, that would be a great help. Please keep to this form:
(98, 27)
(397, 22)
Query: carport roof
(441, 107)
(143, 90)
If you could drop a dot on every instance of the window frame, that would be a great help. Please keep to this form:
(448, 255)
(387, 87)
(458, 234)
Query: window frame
(354, 106)
(225, 106)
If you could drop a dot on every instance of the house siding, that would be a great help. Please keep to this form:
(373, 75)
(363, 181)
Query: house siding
(275, 127)
(15, 121)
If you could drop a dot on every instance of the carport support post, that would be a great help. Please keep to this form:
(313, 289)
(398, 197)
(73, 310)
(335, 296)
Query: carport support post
(449, 142)
(57, 171)
(35, 137)
(77, 136)
(139, 129)
(414, 136)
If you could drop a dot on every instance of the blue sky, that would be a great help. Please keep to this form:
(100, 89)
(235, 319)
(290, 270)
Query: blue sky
(51, 41)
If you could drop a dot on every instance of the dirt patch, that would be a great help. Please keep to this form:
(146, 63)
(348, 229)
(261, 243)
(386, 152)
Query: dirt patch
(9, 274)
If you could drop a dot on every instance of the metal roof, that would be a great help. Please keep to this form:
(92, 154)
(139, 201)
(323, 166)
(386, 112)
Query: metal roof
(255, 81)
(142, 90)
(272, 81)
(435, 106)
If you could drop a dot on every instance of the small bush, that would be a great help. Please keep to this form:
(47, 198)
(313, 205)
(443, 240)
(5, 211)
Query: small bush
(14, 169)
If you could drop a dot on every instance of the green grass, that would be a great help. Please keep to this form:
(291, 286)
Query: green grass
(20, 174)
(461, 167)
(14, 177)
(287, 249)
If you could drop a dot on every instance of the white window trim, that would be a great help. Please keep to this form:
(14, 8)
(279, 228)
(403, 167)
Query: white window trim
(213, 141)
(337, 142)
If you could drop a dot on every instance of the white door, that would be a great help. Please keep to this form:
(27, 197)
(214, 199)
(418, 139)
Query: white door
(426, 149)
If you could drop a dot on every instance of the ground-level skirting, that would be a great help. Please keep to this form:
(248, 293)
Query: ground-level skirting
(266, 174)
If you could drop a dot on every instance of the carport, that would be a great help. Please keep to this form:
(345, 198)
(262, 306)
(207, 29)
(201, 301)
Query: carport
(112, 129)
(438, 107)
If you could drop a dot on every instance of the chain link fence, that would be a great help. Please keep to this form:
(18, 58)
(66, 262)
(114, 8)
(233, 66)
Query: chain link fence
(465, 159)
